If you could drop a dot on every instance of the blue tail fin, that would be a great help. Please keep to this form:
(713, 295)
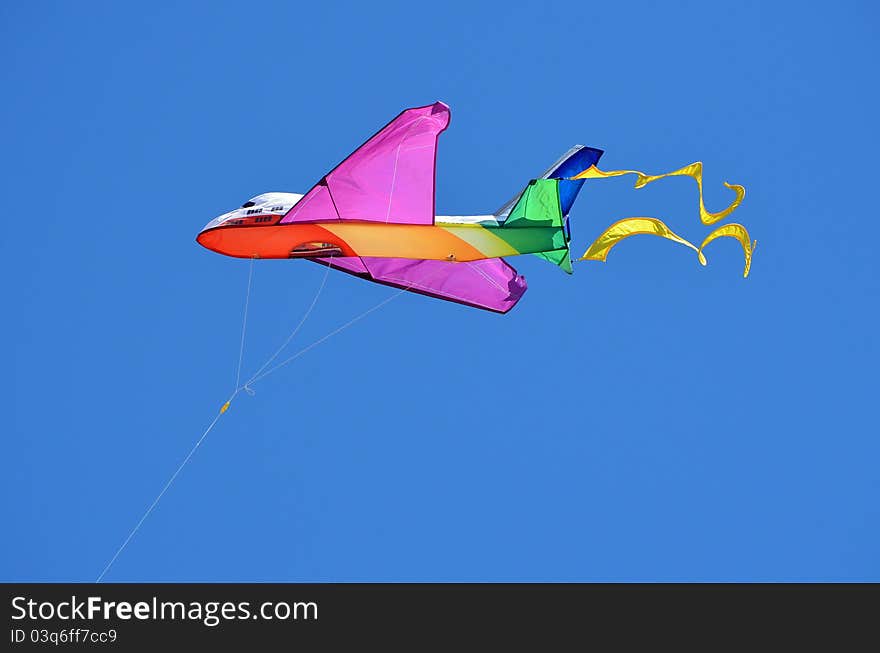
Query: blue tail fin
(576, 160)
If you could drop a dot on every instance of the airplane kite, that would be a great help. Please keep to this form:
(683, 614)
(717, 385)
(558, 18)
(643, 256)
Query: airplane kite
(373, 216)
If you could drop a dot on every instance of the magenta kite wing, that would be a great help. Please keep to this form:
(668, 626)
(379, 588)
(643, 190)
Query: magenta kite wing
(390, 178)
(491, 284)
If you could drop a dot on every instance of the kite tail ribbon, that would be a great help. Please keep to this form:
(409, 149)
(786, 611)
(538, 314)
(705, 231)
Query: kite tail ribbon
(598, 251)
(741, 234)
(694, 171)
(627, 227)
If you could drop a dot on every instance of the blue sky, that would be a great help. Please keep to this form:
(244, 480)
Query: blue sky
(643, 419)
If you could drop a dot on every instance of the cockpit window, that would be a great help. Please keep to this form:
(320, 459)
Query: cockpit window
(248, 204)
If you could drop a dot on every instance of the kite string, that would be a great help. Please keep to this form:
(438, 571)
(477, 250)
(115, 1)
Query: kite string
(246, 385)
(247, 300)
(161, 494)
(238, 389)
(198, 442)
(337, 330)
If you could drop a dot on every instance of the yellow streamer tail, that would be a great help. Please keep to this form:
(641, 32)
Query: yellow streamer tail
(622, 229)
(741, 234)
(694, 171)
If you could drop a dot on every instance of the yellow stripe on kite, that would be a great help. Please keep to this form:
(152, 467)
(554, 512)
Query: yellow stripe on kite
(694, 171)
(490, 244)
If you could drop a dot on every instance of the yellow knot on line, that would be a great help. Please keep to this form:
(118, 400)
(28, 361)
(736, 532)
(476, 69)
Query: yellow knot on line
(224, 407)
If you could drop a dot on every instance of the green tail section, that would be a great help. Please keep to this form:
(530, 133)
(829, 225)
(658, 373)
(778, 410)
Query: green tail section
(539, 206)
(560, 257)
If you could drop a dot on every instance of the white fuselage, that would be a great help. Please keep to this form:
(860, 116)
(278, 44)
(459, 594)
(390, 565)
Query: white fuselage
(280, 203)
